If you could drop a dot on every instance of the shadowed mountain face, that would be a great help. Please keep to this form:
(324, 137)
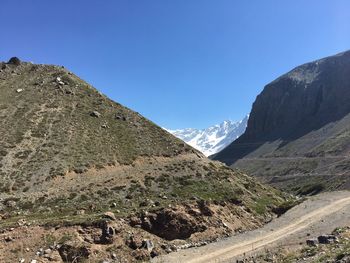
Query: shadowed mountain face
(298, 130)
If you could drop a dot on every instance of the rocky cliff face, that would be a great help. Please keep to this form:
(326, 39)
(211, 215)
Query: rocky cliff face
(299, 117)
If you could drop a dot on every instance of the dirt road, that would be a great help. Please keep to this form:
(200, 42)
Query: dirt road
(318, 215)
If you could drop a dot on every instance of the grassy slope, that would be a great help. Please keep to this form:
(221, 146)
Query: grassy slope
(46, 130)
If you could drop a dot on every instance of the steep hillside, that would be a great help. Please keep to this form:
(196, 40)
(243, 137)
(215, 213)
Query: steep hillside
(213, 139)
(297, 136)
(86, 177)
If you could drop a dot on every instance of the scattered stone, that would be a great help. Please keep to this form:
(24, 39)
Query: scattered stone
(8, 239)
(109, 215)
(95, 114)
(135, 242)
(33, 261)
(47, 251)
(144, 203)
(312, 242)
(141, 254)
(21, 260)
(194, 212)
(109, 231)
(59, 81)
(22, 222)
(155, 253)
(168, 250)
(148, 244)
(11, 204)
(118, 117)
(114, 255)
(19, 90)
(135, 221)
(342, 258)
(80, 212)
(204, 207)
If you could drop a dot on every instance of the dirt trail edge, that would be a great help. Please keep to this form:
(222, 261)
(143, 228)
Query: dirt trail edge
(319, 214)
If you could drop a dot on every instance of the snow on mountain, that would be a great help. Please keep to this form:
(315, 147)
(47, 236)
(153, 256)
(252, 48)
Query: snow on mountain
(213, 139)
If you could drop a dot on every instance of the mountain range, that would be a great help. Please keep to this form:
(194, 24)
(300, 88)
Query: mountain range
(298, 132)
(214, 138)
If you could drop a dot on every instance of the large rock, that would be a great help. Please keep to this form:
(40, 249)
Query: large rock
(14, 61)
(73, 253)
(109, 231)
(312, 242)
(326, 239)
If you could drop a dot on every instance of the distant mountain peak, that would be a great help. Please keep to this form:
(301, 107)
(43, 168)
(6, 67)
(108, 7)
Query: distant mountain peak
(214, 138)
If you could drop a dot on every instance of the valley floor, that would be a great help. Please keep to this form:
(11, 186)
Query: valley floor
(318, 215)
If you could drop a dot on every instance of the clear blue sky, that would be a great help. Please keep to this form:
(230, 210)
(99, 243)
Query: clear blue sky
(181, 63)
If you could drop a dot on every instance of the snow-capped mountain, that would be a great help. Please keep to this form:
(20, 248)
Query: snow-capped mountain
(213, 139)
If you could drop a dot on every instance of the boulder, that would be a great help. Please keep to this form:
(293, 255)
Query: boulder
(155, 252)
(73, 253)
(95, 114)
(135, 242)
(312, 242)
(148, 244)
(14, 61)
(47, 251)
(326, 239)
(343, 258)
(109, 215)
(204, 207)
(141, 254)
(109, 231)
(59, 81)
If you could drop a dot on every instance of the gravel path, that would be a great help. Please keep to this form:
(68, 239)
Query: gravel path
(318, 215)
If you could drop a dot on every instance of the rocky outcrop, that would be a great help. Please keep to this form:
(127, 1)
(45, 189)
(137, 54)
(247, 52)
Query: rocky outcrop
(171, 224)
(73, 253)
(299, 115)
